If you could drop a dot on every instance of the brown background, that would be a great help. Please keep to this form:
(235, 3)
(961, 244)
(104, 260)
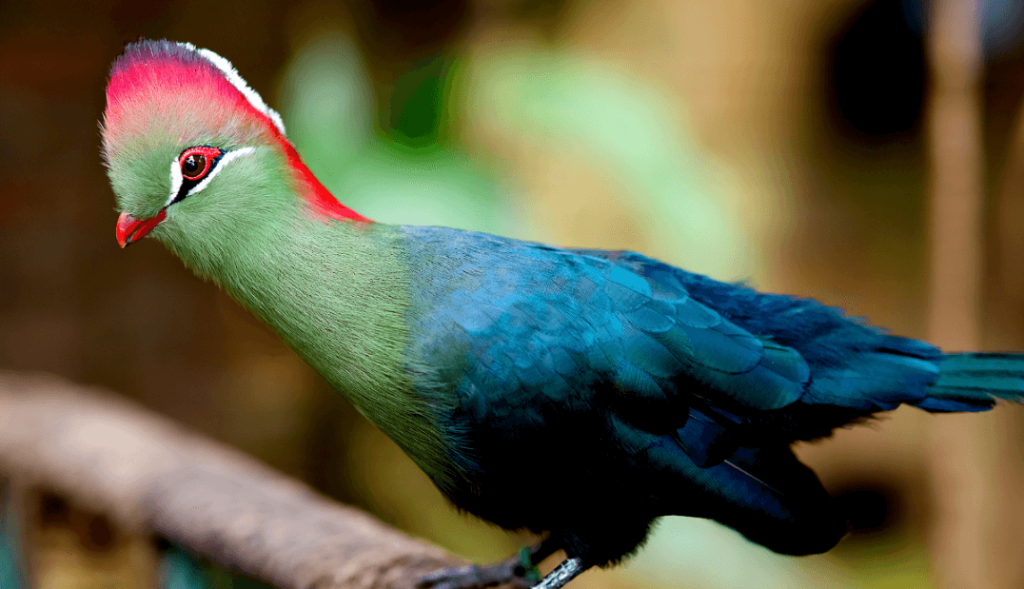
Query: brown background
(828, 181)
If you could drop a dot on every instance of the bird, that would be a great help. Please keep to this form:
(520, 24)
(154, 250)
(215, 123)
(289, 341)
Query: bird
(581, 394)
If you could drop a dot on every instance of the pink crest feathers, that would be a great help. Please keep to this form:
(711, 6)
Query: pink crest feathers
(196, 85)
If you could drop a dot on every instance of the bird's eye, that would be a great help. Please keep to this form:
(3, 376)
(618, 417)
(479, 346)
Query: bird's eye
(196, 162)
(194, 166)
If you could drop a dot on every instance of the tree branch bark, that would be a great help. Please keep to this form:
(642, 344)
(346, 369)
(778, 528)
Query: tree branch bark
(150, 475)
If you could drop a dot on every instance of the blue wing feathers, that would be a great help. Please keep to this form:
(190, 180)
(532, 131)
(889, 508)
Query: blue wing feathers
(654, 381)
(561, 324)
(723, 347)
(786, 362)
(704, 439)
(650, 319)
(663, 390)
(650, 355)
(939, 405)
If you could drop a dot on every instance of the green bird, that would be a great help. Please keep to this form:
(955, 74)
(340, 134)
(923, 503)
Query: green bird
(660, 391)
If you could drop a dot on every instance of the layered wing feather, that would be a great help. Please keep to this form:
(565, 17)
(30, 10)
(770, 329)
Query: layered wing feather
(547, 323)
(664, 390)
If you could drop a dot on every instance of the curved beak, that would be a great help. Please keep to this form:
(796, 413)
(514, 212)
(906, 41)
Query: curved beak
(130, 229)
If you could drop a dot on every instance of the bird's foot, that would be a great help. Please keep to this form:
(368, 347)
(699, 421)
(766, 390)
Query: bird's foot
(518, 570)
(563, 573)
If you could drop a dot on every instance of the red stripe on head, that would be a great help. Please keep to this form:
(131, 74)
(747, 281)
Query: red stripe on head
(316, 195)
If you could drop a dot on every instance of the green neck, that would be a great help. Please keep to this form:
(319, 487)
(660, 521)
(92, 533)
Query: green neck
(337, 293)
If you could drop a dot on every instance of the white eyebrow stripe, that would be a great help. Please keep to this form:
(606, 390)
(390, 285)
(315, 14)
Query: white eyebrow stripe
(224, 160)
(236, 80)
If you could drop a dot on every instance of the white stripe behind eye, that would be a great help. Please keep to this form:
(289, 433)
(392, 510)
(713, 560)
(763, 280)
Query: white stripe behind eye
(236, 80)
(176, 178)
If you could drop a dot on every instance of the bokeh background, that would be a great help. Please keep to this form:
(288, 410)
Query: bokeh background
(795, 144)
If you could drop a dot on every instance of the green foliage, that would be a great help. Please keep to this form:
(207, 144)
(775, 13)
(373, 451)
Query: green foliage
(405, 172)
(418, 102)
(566, 102)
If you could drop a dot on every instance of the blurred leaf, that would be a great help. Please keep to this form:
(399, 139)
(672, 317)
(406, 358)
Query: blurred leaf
(393, 179)
(435, 186)
(632, 132)
(327, 104)
(418, 102)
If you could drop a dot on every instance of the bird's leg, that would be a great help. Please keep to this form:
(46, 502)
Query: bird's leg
(520, 570)
(563, 573)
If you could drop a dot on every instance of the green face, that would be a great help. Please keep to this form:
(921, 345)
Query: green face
(199, 196)
(142, 176)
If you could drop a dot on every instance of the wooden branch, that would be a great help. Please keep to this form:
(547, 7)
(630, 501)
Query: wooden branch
(150, 475)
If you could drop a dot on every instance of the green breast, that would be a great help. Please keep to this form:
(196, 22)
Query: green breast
(338, 294)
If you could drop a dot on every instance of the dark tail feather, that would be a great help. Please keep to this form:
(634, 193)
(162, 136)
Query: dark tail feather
(974, 382)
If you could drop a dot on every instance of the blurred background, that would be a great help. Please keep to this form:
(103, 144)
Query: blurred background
(868, 153)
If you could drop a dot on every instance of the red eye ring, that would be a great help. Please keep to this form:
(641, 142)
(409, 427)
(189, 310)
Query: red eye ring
(195, 162)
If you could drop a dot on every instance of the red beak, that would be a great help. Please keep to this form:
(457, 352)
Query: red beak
(130, 229)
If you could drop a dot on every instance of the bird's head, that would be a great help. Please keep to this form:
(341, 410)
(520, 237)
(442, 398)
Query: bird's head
(193, 153)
